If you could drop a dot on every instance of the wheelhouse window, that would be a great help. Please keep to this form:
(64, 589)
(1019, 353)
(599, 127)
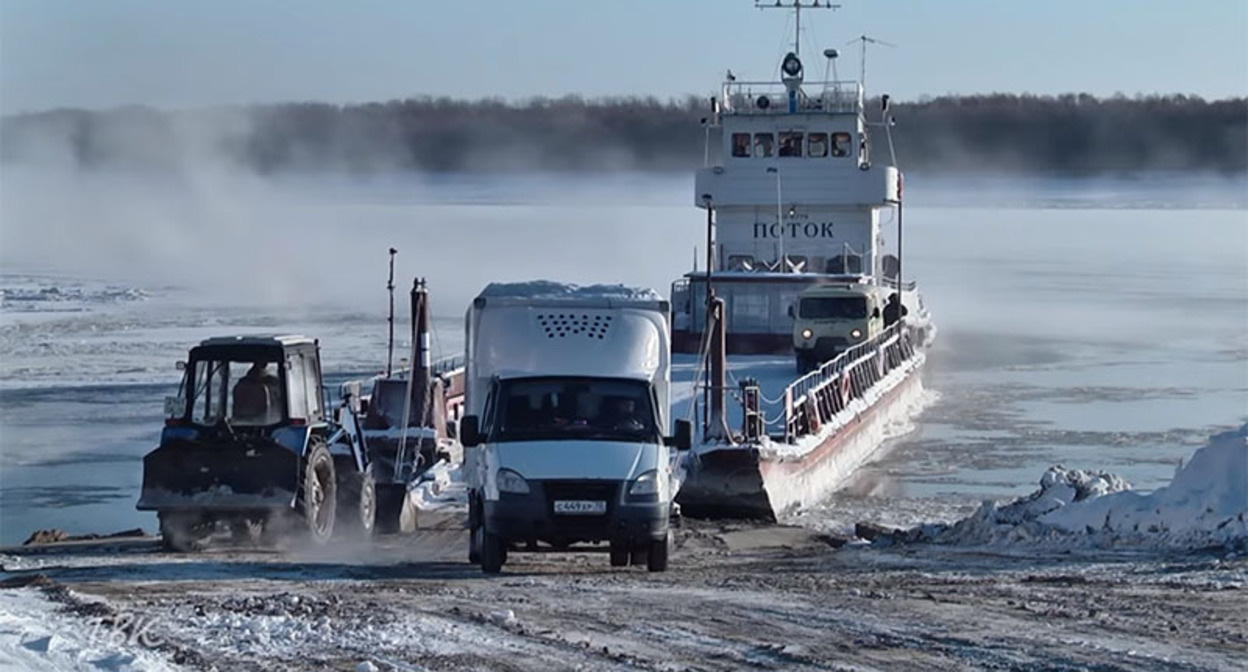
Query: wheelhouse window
(545, 409)
(791, 144)
(741, 144)
(834, 307)
(841, 144)
(764, 145)
(841, 264)
(246, 393)
(817, 145)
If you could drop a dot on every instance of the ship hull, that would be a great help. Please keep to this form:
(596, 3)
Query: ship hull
(753, 481)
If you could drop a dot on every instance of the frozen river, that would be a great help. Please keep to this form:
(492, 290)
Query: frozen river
(1096, 324)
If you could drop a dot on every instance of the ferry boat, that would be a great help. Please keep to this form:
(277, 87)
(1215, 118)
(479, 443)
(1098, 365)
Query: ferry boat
(795, 314)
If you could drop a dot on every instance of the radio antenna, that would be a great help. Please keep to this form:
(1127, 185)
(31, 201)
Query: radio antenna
(797, 6)
(864, 40)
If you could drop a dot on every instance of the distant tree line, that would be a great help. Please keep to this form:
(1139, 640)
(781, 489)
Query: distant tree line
(1073, 133)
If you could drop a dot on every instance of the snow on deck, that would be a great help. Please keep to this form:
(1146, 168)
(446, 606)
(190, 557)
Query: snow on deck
(774, 374)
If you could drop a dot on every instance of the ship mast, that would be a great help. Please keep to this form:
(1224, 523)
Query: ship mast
(797, 6)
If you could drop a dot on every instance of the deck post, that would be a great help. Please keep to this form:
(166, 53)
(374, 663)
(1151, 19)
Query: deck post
(788, 414)
(717, 370)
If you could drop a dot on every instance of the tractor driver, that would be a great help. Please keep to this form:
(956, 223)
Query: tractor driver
(256, 395)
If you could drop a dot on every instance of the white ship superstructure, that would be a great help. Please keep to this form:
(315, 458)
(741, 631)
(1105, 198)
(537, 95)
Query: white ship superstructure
(803, 254)
(799, 196)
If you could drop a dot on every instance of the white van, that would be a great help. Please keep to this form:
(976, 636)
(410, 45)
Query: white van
(566, 444)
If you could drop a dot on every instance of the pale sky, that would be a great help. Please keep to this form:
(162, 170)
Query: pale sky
(171, 54)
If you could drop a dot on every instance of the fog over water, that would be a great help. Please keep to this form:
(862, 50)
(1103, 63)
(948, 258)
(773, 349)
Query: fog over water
(1099, 323)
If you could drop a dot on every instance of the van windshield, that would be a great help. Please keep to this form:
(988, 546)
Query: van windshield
(834, 307)
(541, 409)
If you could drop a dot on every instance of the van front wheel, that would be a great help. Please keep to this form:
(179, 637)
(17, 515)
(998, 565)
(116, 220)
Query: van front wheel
(493, 552)
(656, 559)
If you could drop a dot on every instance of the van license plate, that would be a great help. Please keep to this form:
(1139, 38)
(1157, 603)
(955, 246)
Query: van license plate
(580, 507)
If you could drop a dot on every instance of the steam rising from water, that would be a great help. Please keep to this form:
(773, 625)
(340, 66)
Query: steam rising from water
(237, 239)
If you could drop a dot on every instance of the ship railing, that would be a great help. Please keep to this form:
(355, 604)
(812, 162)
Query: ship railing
(446, 367)
(907, 286)
(818, 398)
(831, 97)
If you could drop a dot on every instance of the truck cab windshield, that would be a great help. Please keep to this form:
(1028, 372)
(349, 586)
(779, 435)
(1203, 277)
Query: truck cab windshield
(834, 307)
(575, 409)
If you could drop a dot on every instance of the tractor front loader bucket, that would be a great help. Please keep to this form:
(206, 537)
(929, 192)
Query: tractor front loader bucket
(212, 476)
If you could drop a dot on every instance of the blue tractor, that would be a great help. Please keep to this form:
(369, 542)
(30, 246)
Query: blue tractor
(250, 449)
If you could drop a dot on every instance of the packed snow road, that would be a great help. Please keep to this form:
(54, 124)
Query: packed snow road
(737, 596)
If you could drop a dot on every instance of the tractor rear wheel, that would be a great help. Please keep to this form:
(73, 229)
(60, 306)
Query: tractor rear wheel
(318, 492)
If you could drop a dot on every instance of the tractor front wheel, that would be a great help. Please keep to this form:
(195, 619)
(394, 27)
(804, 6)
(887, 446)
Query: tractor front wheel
(357, 503)
(182, 531)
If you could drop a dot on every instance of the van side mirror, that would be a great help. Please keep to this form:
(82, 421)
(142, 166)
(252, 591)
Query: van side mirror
(792, 316)
(876, 312)
(181, 365)
(683, 440)
(470, 431)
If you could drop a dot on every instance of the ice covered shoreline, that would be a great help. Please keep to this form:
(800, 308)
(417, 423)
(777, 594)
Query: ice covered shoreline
(1205, 506)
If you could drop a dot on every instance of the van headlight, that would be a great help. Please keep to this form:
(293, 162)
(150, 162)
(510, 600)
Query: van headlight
(857, 333)
(807, 333)
(510, 481)
(646, 486)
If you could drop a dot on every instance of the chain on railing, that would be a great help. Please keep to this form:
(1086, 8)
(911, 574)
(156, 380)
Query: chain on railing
(819, 396)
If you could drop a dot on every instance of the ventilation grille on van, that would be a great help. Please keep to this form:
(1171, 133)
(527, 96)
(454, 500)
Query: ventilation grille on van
(562, 325)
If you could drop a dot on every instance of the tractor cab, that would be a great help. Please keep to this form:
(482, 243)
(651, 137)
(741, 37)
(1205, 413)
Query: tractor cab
(831, 318)
(247, 446)
(250, 382)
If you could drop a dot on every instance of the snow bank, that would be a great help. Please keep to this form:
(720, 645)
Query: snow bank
(1204, 506)
(547, 289)
(1206, 503)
